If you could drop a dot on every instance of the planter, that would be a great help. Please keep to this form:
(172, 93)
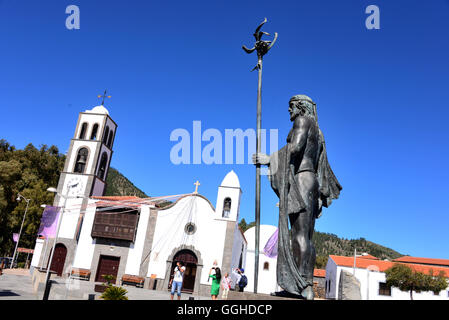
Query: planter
(100, 288)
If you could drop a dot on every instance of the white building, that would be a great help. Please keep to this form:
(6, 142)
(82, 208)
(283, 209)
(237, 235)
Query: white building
(370, 272)
(130, 236)
(267, 266)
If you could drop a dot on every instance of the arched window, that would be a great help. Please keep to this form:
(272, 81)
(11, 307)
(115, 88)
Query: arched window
(83, 131)
(81, 160)
(111, 134)
(105, 135)
(226, 208)
(266, 266)
(103, 164)
(93, 136)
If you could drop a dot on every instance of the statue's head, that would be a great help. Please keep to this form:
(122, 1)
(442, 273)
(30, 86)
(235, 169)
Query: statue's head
(301, 105)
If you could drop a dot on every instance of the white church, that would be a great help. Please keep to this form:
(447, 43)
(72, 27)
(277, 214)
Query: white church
(136, 240)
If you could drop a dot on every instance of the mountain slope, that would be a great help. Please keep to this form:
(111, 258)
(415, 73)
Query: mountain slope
(118, 185)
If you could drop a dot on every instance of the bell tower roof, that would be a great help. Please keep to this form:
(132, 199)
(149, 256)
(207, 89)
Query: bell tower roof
(231, 180)
(98, 109)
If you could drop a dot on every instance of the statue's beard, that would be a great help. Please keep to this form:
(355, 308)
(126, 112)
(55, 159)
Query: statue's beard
(294, 115)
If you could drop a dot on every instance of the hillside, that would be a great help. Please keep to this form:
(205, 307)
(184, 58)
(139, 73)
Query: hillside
(330, 244)
(326, 244)
(118, 185)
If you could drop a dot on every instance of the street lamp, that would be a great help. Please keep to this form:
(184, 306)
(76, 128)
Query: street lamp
(47, 277)
(19, 197)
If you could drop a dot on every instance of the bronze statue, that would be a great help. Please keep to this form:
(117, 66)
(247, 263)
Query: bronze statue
(301, 177)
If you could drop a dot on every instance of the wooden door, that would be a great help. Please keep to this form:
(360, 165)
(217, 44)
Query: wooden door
(57, 264)
(107, 265)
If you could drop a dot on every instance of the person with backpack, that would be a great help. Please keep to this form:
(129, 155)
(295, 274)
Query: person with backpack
(242, 280)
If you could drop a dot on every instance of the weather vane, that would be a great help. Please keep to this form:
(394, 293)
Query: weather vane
(103, 96)
(262, 48)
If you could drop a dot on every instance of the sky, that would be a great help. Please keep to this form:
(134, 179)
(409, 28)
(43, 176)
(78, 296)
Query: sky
(382, 97)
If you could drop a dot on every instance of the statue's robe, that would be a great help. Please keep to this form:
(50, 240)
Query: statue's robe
(282, 180)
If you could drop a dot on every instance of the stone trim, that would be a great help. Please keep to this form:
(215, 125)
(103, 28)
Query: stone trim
(146, 253)
(227, 250)
(162, 285)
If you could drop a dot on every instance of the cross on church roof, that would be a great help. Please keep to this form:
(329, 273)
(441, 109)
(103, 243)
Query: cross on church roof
(197, 183)
(103, 96)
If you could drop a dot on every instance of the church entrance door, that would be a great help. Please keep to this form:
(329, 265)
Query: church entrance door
(107, 265)
(190, 261)
(58, 261)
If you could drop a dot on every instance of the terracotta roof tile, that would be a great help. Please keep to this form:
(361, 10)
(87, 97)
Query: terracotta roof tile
(380, 265)
(368, 256)
(408, 259)
(319, 273)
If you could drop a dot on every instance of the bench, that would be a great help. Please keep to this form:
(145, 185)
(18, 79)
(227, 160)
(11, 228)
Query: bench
(135, 280)
(83, 274)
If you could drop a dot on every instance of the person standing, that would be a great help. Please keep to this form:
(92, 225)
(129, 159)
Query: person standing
(215, 274)
(225, 286)
(176, 282)
(242, 280)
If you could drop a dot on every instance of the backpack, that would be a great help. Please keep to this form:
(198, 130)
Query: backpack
(243, 281)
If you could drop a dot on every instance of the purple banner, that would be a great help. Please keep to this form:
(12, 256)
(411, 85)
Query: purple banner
(49, 222)
(271, 248)
(15, 237)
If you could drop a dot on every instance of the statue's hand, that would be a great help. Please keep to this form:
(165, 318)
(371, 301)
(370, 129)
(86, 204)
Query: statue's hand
(261, 158)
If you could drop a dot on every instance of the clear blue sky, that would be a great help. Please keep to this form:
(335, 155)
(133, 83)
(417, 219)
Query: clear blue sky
(382, 97)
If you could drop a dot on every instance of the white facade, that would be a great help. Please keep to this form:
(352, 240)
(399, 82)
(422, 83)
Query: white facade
(369, 284)
(267, 266)
(190, 227)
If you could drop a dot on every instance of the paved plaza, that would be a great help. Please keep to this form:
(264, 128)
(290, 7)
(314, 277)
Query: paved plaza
(17, 285)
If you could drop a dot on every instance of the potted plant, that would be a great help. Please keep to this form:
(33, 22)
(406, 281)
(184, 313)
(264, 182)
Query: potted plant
(114, 293)
(102, 287)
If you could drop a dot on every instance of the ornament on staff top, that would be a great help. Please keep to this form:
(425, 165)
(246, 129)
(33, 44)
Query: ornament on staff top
(103, 96)
(262, 47)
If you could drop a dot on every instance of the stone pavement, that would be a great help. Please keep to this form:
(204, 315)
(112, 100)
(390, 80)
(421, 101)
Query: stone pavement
(17, 285)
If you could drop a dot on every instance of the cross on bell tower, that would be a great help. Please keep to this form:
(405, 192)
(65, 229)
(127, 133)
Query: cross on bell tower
(103, 96)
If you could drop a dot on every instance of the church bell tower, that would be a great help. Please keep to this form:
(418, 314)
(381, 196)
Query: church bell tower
(87, 162)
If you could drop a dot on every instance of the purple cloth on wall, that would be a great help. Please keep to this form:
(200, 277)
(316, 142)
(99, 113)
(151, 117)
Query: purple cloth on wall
(49, 222)
(15, 237)
(271, 248)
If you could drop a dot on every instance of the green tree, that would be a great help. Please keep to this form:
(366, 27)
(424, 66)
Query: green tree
(403, 277)
(29, 171)
(320, 262)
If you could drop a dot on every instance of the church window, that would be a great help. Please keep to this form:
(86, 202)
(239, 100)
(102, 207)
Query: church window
(81, 160)
(190, 228)
(226, 208)
(266, 266)
(110, 139)
(93, 136)
(103, 164)
(105, 135)
(83, 131)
